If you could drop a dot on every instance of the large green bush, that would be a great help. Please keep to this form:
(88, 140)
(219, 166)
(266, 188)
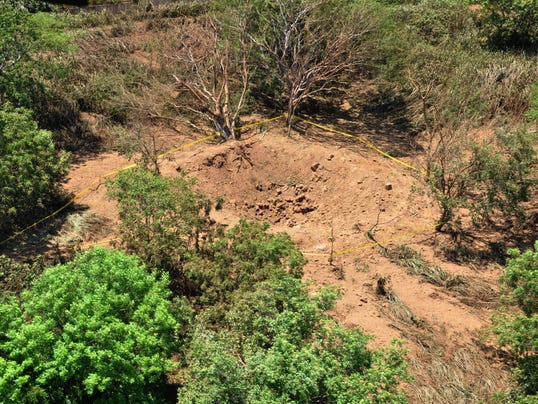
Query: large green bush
(162, 219)
(99, 328)
(277, 346)
(237, 261)
(30, 167)
(519, 330)
(166, 223)
(511, 23)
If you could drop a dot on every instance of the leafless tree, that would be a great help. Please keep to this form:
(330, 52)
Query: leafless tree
(310, 44)
(217, 74)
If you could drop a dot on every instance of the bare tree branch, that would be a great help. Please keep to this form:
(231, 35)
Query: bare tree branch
(310, 48)
(218, 75)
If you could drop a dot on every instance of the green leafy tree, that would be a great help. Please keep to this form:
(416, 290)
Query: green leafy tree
(277, 346)
(519, 330)
(505, 172)
(236, 261)
(510, 23)
(22, 37)
(30, 167)
(162, 219)
(99, 328)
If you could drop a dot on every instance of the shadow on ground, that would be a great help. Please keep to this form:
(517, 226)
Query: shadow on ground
(384, 126)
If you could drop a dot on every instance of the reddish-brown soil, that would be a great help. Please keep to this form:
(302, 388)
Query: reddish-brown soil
(320, 187)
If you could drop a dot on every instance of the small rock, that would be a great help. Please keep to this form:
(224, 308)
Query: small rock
(314, 167)
(346, 106)
(330, 157)
(388, 186)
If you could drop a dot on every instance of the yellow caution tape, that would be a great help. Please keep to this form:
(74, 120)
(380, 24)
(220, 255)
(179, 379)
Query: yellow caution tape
(87, 189)
(365, 142)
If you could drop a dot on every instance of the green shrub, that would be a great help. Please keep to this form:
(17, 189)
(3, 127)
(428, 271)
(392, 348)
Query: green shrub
(505, 173)
(510, 23)
(162, 219)
(99, 328)
(236, 261)
(519, 331)
(435, 21)
(278, 346)
(30, 167)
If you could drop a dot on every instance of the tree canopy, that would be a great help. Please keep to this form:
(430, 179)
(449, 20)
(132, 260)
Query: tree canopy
(519, 330)
(511, 23)
(99, 328)
(30, 167)
(277, 345)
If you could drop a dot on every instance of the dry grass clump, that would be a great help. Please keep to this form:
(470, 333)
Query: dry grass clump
(470, 291)
(397, 310)
(465, 376)
(82, 226)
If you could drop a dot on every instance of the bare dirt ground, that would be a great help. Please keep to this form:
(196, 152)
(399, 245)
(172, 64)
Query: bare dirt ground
(334, 194)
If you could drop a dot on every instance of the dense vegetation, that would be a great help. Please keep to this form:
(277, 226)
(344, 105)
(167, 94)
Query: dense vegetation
(519, 330)
(100, 327)
(30, 167)
(204, 314)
